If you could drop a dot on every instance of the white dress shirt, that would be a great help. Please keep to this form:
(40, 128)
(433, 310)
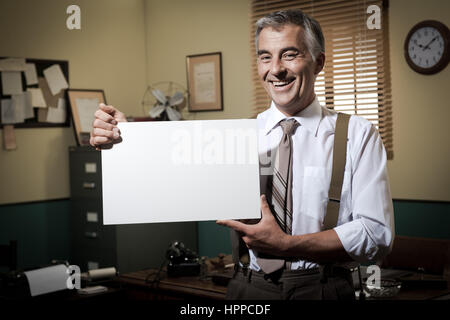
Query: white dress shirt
(366, 218)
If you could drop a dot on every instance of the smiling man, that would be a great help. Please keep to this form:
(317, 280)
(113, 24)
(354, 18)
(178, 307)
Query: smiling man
(289, 253)
(293, 252)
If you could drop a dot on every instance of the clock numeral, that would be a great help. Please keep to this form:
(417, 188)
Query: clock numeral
(425, 33)
(419, 35)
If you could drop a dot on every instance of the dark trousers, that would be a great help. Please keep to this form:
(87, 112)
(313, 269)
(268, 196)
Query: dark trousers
(315, 284)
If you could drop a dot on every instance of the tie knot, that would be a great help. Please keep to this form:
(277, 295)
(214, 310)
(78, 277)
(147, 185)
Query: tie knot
(289, 126)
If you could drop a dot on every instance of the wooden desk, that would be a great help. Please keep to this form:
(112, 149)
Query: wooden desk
(138, 286)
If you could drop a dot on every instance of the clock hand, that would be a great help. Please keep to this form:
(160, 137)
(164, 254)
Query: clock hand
(428, 45)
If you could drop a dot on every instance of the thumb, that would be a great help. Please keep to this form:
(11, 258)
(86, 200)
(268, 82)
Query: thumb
(265, 209)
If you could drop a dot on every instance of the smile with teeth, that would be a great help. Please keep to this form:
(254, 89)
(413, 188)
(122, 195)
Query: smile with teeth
(281, 83)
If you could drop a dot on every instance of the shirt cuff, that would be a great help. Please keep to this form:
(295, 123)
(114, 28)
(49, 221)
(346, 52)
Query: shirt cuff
(356, 241)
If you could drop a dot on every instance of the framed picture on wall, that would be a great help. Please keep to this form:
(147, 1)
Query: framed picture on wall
(83, 104)
(204, 78)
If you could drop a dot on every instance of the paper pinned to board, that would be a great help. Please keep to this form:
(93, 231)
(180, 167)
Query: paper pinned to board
(21, 104)
(12, 64)
(29, 111)
(11, 82)
(9, 138)
(59, 114)
(55, 79)
(182, 171)
(37, 98)
(31, 74)
(50, 100)
(11, 115)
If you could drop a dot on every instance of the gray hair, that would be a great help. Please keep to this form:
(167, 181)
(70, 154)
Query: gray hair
(313, 32)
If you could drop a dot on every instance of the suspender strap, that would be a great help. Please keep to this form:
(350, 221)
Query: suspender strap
(337, 176)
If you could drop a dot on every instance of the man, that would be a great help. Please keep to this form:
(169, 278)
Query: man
(291, 255)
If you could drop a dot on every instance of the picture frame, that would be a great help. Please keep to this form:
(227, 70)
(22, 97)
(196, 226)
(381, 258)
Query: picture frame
(204, 79)
(83, 104)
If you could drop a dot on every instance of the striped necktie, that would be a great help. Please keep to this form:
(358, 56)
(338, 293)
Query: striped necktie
(281, 199)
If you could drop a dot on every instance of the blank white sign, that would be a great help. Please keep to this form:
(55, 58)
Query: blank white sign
(169, 171)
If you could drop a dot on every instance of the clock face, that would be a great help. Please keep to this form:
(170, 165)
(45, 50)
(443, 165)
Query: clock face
(426, 47)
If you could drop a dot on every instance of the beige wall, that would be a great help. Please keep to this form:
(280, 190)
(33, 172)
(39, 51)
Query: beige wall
(107, 53)
(421, 110)
(119, 38)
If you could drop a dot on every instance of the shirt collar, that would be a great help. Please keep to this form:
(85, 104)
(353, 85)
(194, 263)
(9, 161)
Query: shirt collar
(309, 117)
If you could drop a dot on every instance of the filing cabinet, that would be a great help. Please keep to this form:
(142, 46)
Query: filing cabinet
(127, 247)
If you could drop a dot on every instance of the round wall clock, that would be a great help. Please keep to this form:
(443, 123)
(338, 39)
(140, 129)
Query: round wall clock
(427, 47)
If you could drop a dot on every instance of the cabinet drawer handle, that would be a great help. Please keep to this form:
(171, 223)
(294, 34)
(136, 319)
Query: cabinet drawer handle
(89, 185)
(91, 235)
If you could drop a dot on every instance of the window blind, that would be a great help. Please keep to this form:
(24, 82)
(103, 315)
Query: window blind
(356, 76)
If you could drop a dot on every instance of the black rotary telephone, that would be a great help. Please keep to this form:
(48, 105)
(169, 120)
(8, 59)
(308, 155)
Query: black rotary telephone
(182, 261)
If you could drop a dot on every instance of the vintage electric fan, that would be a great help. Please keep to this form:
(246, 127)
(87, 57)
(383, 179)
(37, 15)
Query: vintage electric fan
(164, 100)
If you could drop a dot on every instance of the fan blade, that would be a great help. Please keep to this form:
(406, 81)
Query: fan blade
(156, 111)
(173, 114)
(159, 96)
(176, 99)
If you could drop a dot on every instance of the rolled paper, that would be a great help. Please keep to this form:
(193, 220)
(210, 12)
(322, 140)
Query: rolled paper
(102, 273)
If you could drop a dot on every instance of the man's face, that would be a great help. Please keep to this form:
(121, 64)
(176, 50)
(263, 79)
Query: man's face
(286, 68)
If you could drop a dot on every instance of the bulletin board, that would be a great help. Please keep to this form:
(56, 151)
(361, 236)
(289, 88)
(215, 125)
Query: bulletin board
(41, 65)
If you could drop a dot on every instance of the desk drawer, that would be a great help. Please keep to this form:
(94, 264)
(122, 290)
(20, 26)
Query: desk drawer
(85, 173)
(87, 225)
(86, 187)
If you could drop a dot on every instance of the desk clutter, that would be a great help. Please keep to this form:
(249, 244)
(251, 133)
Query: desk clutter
(57, 277)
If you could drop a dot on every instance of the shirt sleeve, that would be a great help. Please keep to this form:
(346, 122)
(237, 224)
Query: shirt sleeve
(368, 237)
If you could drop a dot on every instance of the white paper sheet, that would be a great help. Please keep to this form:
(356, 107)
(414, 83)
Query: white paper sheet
(7, 112)
(57, 115)
(86, 109)
(29, 112)
(11, 115)
(37, 98)
(11, 82)
(12, 64)
(182, 171)
(30, 74)
(55, 79)
(22, 106)
(47, 280)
